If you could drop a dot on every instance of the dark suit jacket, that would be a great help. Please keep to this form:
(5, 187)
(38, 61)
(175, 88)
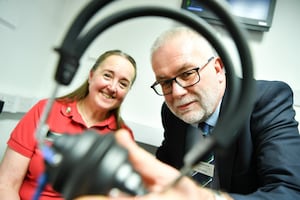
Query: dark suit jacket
(264, 160)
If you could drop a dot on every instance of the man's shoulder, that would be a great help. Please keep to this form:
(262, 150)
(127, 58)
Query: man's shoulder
(261, 82)
(271, 85)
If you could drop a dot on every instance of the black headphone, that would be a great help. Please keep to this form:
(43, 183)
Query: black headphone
(93, 163)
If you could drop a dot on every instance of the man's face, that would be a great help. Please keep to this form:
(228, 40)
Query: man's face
(195, 103)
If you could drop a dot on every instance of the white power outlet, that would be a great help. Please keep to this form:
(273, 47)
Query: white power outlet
(14, 104)
(10, 103)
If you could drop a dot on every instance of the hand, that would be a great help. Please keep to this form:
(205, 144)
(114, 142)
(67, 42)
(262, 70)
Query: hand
(156, 175)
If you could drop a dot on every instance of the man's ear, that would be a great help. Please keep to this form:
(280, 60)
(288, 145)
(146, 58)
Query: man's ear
(219, 64)
(220, 70)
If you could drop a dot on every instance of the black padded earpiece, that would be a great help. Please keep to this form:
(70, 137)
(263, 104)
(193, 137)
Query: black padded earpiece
(92, 164)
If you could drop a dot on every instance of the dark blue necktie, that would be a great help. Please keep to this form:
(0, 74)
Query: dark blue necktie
(208, 161)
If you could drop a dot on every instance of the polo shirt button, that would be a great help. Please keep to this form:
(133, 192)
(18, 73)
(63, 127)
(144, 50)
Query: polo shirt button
(68, 110)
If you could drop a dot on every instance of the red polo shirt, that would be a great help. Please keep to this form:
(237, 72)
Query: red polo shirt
(63, 118)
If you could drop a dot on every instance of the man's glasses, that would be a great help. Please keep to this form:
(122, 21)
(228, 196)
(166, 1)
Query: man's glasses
(185, 79)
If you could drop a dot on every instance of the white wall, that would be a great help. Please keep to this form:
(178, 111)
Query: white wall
(29, 30)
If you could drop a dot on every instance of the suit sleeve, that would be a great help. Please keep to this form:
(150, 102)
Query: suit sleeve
(276, 142)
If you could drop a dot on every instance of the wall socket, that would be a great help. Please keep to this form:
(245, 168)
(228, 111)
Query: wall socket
(1, 105)
(16, 104)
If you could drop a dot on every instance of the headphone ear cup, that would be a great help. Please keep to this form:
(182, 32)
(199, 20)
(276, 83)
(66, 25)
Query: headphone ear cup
(92, 164)
(73, 149)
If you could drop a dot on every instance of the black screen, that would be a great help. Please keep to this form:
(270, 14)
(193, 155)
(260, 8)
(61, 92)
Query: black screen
(253, 14)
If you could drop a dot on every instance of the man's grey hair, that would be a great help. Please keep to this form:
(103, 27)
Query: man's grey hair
(182, 30)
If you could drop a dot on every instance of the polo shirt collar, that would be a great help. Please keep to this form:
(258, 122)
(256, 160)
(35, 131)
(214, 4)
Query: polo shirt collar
(70, 110)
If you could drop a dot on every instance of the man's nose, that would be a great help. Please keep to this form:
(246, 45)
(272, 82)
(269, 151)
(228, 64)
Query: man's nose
(177, 90)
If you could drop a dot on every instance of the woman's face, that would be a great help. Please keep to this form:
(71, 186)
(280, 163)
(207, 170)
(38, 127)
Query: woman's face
(110, 82)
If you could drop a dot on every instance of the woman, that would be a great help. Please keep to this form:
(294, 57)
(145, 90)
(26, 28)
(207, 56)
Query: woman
(95, 104)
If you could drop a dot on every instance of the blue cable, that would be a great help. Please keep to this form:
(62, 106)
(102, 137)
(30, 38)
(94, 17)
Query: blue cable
(48, 156)
(42, 181)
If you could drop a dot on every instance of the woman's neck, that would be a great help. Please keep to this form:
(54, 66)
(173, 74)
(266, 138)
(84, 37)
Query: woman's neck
(89, 114)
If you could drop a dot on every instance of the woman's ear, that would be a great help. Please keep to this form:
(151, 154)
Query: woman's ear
(91, 74)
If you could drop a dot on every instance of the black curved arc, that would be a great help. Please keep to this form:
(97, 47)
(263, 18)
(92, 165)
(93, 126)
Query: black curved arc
(199, 25)
(81, 20)
(223, 134)
(247, 85)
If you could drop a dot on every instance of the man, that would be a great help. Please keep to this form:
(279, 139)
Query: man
(262, 163)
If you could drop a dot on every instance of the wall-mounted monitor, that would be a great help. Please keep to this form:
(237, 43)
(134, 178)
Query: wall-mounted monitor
(253, 14)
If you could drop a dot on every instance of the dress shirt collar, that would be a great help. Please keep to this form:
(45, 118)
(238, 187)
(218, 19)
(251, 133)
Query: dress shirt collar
(212, 120)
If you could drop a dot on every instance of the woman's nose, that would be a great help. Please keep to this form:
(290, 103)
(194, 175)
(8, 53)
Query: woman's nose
(113, 86)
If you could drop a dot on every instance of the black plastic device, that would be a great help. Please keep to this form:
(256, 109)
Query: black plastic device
(94, 164)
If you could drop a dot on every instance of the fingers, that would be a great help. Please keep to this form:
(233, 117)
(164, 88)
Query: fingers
(154, 173)
(136, 153)
(140, 158)
(124, 138)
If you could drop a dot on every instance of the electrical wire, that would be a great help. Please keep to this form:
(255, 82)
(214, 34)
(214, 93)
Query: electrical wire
(42, 182)
(42, 128)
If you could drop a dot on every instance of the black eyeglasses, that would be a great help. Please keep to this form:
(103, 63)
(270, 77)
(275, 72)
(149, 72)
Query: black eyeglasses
(185, 79)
